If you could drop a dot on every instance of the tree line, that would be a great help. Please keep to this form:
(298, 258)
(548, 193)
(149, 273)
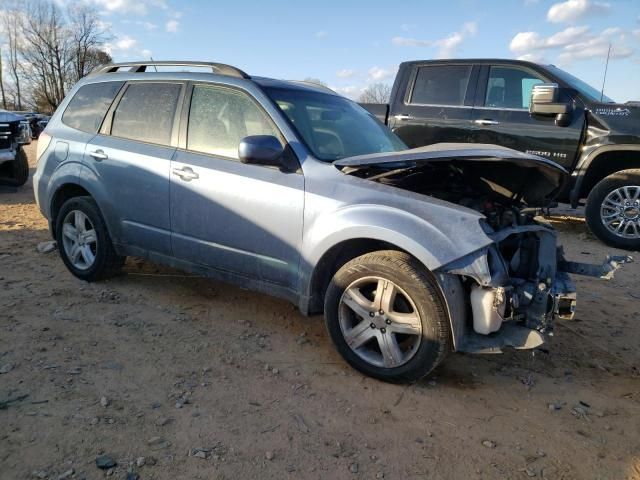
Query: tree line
(45, 49)
(379, 92)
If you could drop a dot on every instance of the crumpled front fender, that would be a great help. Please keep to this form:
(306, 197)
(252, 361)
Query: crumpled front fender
(432, 243)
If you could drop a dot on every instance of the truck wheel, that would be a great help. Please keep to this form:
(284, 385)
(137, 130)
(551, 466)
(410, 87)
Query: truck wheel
(18, 170)
(387, 318)
(613, 209)
(84, 242)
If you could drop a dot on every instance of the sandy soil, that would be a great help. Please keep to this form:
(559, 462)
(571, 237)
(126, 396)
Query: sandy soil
(209, 381)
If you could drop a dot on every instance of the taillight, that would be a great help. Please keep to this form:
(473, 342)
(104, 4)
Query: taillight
(43, 142)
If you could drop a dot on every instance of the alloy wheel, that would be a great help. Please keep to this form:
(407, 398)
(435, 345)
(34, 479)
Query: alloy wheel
(79, 239)
(380, 322)
(620, 212)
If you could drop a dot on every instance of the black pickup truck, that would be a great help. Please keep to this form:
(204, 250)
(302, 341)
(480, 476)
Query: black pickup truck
(14, 133)
(537, 109)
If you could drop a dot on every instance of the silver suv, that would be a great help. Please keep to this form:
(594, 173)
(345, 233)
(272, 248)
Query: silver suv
(290, 189)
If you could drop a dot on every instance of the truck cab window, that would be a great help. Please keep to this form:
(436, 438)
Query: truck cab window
(510, 87)
(441, 85)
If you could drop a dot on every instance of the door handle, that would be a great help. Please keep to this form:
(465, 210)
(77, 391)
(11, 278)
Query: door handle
(486, 122)
(98, 155)
(185, 173)
(402, 117)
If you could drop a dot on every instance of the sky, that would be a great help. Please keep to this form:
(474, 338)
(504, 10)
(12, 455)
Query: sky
(350, 44)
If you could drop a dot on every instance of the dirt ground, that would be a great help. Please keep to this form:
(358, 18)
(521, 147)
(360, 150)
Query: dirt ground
(208, 381)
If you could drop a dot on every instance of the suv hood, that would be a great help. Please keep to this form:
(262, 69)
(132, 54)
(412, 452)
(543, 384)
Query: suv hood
(529, 179)
(9, 117)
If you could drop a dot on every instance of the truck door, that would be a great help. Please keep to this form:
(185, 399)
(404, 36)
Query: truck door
(501, 116)
(437, 105)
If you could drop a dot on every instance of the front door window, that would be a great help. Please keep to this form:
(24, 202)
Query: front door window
(510, 87)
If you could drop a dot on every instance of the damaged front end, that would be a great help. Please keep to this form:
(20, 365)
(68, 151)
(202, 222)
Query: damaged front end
(518, 286)
(509, 293)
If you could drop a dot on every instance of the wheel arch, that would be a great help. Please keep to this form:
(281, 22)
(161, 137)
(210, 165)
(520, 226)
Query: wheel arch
(353, 231)
(333, 259)
(450, 285)
(68, 189)
(61, 195)
(601, 163)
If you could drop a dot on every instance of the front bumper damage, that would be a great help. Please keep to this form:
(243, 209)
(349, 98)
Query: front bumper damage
(515, 289)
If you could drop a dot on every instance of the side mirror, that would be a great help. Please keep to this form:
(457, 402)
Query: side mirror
(544, 93)
(544, 100)
(261, 150)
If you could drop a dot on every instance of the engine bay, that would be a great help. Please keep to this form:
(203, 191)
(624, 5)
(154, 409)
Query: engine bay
(501, 207)
(520, 283)
(506, 294)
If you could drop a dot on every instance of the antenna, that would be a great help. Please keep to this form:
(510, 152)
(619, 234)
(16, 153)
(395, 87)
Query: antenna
(151, 58)
(606, 66)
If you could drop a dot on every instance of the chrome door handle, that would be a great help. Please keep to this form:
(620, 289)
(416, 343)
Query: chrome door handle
(185, 173)
(98, 155)
(486, 122)
(402, 117)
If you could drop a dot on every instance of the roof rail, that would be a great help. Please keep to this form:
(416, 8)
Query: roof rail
(217, 68)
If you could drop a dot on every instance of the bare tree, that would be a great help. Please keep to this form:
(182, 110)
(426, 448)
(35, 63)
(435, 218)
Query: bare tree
(4, 96)
(46, 49)
(57, 48)
(94, 58)
(376, 93)
(10, 27)
(87, 35)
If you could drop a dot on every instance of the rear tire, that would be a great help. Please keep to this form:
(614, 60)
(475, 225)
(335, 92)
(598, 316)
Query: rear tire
(84, 242)
(400, 335)
(613, 209)
(18, 170)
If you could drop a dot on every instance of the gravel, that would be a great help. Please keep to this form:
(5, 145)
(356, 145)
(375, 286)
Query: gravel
(105, 462)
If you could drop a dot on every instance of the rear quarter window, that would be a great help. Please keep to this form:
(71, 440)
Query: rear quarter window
(89, 105)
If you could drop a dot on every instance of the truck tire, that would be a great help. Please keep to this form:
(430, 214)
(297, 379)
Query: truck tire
(613, 209)
(386, 316)
(84, 242)
(18, 170)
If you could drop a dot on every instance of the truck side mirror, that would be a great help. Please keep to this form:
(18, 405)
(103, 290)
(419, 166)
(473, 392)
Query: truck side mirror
(544, 100)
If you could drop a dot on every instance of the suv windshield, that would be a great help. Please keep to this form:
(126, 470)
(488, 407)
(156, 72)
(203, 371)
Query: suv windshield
(582, 87)
(334, 127)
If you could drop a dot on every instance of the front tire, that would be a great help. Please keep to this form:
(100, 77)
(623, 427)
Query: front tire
(613, 210)
(386, 316)
(84, 242)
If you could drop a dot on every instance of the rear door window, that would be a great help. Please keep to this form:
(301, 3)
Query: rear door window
(146, 112)
(87, 108)
(510, 87)
(441, 85)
